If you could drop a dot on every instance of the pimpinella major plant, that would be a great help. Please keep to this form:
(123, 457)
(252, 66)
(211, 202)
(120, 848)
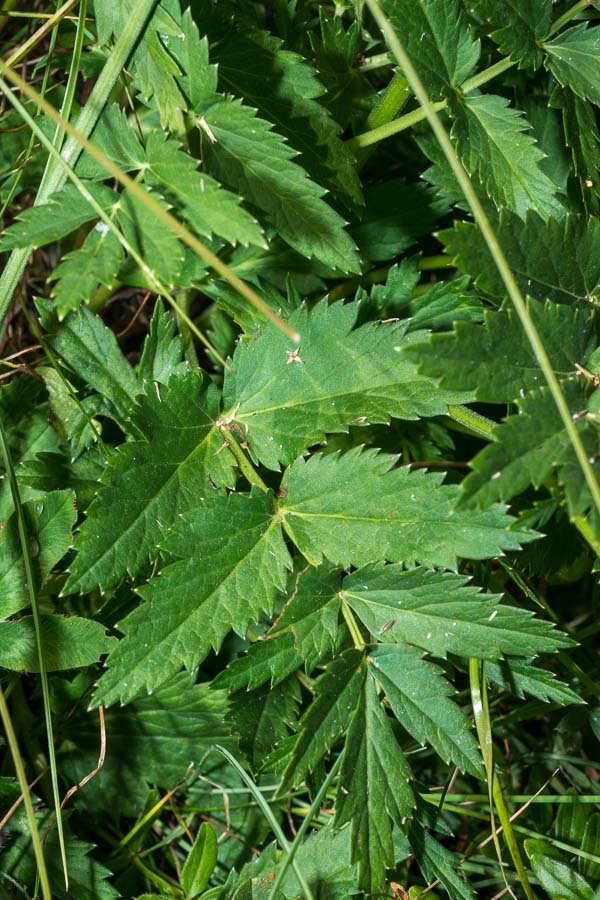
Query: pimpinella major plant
(299, 427)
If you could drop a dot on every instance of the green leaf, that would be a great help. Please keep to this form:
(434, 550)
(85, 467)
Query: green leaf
(589, 868)
(224, 584)
(115, 137)
(263, 719)
(573, 57)
(204, 204)
(520, 677)
(436, 862)
(558, 878)
(288, 397)
(264, 661)
(198, 79)
(527, 448)
(461, 360)
(375, 789)
(69, 643)
(338, 693)
(162, 351)
(152, 740)
(254, 160)
(519, 27)
(352, 510)
(200, 862)
(82, 271)
(530, 248)
(418, 697)
(311, 615)
(438, 40)
(148, 483)
(158, 246)
(156, 70)
(437, 612)
(492, 143)
(90, 350)
(67, 211)
(285, 90)
(582, 136)
(50, 522)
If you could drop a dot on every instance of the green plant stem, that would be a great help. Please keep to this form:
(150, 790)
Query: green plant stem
(568, 15)
(147, 199)
(472, 421)
(54, 175)
(390, 103)
(268, 813)
(494, 247)
(31, 588)
(246, 467)
(67, 103)
(23, 784)
(312, 812)
(352, 624)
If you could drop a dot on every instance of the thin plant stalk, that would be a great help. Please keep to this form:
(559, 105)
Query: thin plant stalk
(31, 588)
(494, 247)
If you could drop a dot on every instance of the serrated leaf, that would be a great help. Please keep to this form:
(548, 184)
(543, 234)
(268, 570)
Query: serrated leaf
(285, 89)
(153, 741)
(493, 144)
(115, 137)
(530, 248)
(336, 52)
(520, 677)
(439, 613)
(461, 360)
(198, 79)
(264, 718)
(162, 350)
(352, 510)
(254, 160)
(207, 207)
(66, 211)
(573, 57)
(519, 26)
(438, 40)
(288, 397)
(156, 71)
(69, 643)
(49, 526)
(526, 448)
(222, 583)
(91, 351)
(82, 271)
(271, 660)
(158, 246)
(582, 136)
(148, 483)
(437, 862)
(558, 878)
(374, 789)
(312, 613)
(337, 694)
(419, 698)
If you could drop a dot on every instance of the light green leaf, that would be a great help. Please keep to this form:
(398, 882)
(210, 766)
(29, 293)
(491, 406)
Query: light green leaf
(287, 397)
(91, 351)
(162, 351)
(520, 677)
(492, 143)
(573, 57)
(419, 697)
(243, 152)
(67, 211)
(223, 583)
(148, 483)
(337, 694)
(82, 271)
(352, 510)
(198, 80)
(438, 40)
(530, 248)
(205, 205)
(519, 26)
(439, 613)
(374, 789)
(200, 862)
(116, 138)
(156, 72)
(559, 879)
(264, 661)
(69, 643)
(50, 522)
(312, 613)
(495, 360)
(158, 246)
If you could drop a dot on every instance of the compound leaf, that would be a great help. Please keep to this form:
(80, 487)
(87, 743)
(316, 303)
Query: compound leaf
(519, 26)
(69, 643)
(573, 57)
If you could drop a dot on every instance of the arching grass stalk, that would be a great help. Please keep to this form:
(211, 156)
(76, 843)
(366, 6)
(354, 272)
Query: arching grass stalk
(494, 247)
(31, 588)
(183, 233)
(268, 813)
(54, 176)
(156, 284)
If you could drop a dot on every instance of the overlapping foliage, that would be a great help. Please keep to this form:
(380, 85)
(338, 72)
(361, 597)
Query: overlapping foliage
(263, 534)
